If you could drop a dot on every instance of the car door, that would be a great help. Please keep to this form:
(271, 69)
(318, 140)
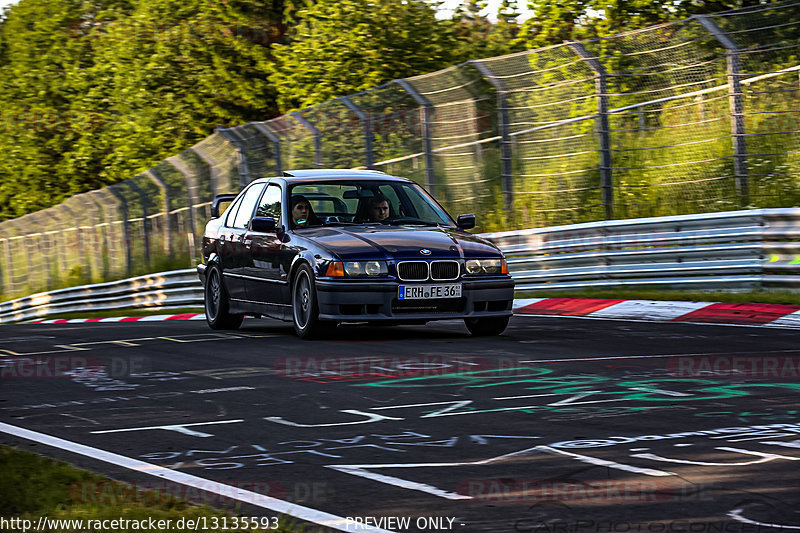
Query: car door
(267, 275)
(237, 260)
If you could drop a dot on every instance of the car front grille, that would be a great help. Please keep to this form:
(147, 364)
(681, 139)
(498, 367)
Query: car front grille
(422, 270)
(443, 270)
(412, 270)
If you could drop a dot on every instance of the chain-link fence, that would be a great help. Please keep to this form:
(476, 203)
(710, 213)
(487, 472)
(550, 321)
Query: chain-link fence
(699, 115)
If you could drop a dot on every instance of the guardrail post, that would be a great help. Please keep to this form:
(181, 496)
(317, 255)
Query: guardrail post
(366, 123)
(232, 136)
(504, 125)
(427, 132)
(601, 90)
(155, 178)
(736, 107)
(314, 132)
(125, 229)
(276, 144)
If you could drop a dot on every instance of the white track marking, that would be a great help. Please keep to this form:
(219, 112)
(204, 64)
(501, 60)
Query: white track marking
(526, 302)
(180, 428)
(649, 309)
(604, 462)
(791, 320)
(246, 496)
(736, 514)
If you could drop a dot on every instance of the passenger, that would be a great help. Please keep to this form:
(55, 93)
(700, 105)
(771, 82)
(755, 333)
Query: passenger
(302, 214)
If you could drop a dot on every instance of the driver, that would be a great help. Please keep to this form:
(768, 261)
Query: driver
(377, 208)
(302, 213)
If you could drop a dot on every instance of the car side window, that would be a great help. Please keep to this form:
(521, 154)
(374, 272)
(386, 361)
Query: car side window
(230, 213)
(246, 206)
(270, 205)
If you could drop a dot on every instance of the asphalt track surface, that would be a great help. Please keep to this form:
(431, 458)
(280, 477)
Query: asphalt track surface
(560, 425)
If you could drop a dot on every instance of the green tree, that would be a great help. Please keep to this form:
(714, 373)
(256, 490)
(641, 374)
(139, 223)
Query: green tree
(477, 37)
(345, 46)
(555, 22)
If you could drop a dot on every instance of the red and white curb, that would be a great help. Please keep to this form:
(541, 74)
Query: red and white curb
(151, 318)
(749, 314)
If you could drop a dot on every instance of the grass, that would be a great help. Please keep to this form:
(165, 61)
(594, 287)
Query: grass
(767, 297)
(35, 486)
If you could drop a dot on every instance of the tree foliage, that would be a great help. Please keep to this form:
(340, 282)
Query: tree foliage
(346, 46)
(555, 22)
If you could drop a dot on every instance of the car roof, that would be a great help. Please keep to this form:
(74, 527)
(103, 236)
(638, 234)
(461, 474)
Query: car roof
(316, 174)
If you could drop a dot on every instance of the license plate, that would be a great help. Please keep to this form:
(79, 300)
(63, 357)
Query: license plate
(420, 292)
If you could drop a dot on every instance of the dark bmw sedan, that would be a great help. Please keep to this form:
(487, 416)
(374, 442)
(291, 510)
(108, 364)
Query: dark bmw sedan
(321, 247)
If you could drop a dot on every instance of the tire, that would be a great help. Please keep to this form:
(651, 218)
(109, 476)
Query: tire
(305, 309)
(484, 327)
(217, 304)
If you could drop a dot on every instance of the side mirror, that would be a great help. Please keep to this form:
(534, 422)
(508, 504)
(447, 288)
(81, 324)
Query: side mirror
(263, 225)
(220, 199)
(465, 221)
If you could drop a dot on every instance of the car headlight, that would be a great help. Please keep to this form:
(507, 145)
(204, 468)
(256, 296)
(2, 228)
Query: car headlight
(356, 269)
(486, 266)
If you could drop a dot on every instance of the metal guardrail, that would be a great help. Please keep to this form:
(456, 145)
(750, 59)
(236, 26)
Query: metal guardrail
(164, 290)
(737, 250)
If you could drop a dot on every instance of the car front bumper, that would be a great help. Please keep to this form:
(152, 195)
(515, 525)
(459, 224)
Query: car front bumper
(378, 301)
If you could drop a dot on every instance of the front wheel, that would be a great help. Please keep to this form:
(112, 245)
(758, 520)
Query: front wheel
(305, 309)
(484, 327)
(217, 304)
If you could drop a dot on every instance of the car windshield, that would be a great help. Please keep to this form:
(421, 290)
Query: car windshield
(382, 202)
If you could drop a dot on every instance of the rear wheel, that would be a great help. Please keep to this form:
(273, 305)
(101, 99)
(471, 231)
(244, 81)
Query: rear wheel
(305, 309)
(484, 327)
(217, 304)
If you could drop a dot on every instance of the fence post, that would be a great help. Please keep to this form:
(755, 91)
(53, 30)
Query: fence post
(314, 132)
(427, 132)
(233, 137)
(601, 90)
(155, 178)
(736, 107)
(212, 169)
(125, 230)
(145, 226)
(43, 247)
(20, 236)
(191, 200)
(366, 123)
(276, 144)
(504, 125)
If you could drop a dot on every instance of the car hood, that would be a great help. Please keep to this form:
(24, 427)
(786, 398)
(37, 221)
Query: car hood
(363, 242)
